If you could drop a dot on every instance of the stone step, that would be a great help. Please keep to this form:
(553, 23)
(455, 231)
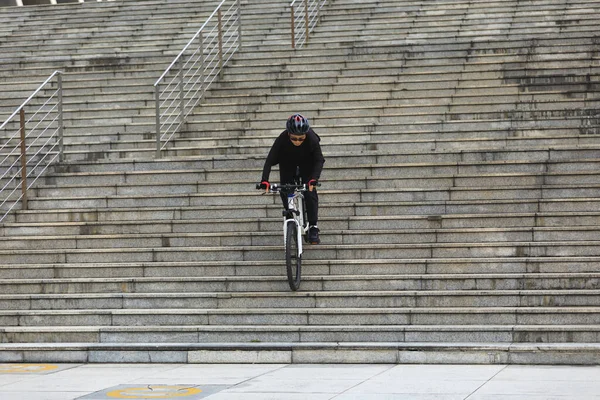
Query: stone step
(124, 120)
(387, 100)
(424, 130)
(400, 109)
(550, 51)
(139, 13)
(451, 186)
(366, 149)
(397, 100)
(497, 16)
(314, 268)
(477, 149)
(99, 60)
(131, 337)
(373, 26)
(95, 44)
(308, 316)
(357, 267)
(272, 209)
(413, 149)
(432, 195)
(372, 165)
(330, 235)
(105, 188)
(575, 66)
(400, 94)
(454, 29)
(528, 16)
(334, 216)
(342, 59)
(334, 144)
(539, 224)
(318, 299)
(436, 37)
(382, 95)
(444, 77)
(322, 252)
(582, 127)
(83, 20)
(436, 9)
(407, 150)
(443, 121)
(394, 352)
(102, 71)
(354, 49)
(394, 102)
(410, 148)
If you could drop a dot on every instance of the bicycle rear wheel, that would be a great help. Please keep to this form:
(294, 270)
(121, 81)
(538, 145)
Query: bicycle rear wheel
(293, 258)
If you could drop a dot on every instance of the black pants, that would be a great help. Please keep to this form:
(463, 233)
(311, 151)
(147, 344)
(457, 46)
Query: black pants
(286, 175)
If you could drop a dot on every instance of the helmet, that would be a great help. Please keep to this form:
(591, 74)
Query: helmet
(297, 125)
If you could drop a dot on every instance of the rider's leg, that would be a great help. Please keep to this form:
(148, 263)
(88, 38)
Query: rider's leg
(312, 209)
(311, 198)
(312, 213)
(312, 206)
(286, 175)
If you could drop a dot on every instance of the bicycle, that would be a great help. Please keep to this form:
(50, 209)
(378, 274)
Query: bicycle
(295, 227)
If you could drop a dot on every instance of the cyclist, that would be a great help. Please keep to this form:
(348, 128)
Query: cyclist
(297, 148)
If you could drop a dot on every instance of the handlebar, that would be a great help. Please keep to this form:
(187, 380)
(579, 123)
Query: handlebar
(287, 187)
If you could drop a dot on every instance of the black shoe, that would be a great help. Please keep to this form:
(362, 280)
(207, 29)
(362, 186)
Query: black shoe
(313, 235)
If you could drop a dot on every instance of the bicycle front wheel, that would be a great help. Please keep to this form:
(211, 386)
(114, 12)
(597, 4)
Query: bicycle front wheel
(293, 258)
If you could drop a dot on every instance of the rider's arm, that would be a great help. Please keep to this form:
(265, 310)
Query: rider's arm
(318, 159)
(272, 159)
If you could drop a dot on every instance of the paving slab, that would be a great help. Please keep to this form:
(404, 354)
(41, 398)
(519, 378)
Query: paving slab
(297, 382)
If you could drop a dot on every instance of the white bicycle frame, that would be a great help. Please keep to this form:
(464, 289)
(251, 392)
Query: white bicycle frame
(296, 206)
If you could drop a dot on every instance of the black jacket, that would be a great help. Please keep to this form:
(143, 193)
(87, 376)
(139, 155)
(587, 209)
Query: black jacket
(307, 156)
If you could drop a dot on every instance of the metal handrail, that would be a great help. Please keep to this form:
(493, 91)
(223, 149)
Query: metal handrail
(183, 84)
(304, 23)
(41, 129)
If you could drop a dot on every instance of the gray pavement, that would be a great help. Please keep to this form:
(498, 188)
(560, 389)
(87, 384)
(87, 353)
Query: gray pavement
(297, 381)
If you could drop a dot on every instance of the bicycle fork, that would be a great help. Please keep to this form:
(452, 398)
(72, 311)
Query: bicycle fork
(294, 208)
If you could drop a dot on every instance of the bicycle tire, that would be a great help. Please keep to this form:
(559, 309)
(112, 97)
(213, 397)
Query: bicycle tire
(293, 258)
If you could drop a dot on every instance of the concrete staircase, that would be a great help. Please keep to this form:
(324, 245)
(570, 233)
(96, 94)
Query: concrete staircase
(459, 208)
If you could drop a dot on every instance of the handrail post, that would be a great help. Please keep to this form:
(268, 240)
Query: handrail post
(293, 29)
(181, 92)
(61, 145)
(157, 101)
(306, 20)
(24, 204)
(239, 21)
(219, 17)
(202, 61)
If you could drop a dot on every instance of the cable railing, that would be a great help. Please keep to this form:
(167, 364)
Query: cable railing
(32, 140)
(183, 84)
(304, 18)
